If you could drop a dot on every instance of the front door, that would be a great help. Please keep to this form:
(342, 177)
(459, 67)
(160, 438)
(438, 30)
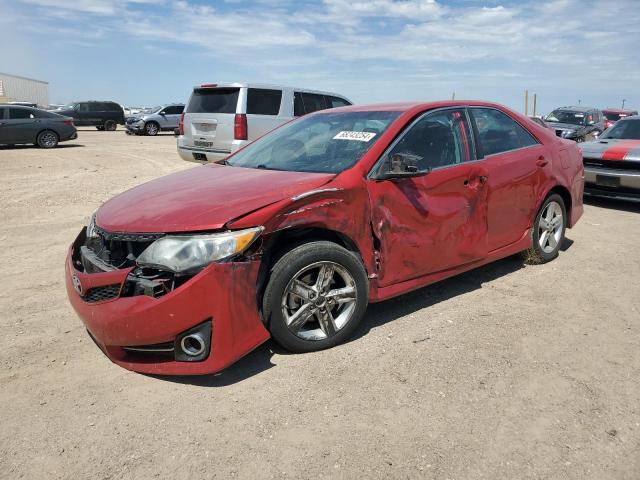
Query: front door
(438, 221)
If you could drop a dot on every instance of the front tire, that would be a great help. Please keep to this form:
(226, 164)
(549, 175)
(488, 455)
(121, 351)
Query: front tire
(110, 126)
(100, 128)
(47, 139)
(548, 230)
(151, 129)
(316, 296)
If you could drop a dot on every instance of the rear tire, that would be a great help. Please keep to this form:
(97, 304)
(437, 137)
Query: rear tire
(100, 128)
(110, 126)
(47, 139)
(548, 230)
(316, 296)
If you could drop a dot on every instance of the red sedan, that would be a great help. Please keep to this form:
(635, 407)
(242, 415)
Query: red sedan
(292, 236)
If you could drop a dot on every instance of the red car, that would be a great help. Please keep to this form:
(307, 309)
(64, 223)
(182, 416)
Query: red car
(296, 233)
(612, 115)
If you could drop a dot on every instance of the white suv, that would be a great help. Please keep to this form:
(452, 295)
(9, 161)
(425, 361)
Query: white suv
(223, 117)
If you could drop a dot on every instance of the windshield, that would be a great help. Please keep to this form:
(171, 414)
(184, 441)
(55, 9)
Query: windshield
(68, 106)
(627, 129)
(566, 116)
(325, 142)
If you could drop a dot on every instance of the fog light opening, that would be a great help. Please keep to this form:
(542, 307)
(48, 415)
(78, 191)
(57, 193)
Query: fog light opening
(193, 344)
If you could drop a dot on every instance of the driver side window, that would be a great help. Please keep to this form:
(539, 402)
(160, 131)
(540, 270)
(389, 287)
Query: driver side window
(437, 140)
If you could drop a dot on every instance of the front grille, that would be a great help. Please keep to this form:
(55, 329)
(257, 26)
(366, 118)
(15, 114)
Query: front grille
(630, 166)
(118, 249)
(100, 294)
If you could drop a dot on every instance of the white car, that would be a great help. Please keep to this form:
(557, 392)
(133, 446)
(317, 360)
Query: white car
(224, 117)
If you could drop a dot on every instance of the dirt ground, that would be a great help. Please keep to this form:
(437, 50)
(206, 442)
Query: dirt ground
(506, 372)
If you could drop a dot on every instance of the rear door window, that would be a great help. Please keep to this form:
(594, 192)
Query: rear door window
(261, 101)
(213, 100)
(499, 133)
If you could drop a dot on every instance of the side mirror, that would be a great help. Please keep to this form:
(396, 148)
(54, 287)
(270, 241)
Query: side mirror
(163, 113)
(401, 165)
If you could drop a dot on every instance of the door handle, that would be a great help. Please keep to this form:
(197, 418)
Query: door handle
(542, 161)
(482, 179)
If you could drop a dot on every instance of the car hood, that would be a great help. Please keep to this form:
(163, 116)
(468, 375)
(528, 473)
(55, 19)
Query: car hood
(612, 149)
(201, 198)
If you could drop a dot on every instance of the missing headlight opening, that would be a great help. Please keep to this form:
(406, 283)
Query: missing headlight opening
(107, 251)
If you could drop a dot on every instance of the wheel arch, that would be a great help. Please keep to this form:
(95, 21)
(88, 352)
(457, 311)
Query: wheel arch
(565, 194)
(279, 243)
(46, 130)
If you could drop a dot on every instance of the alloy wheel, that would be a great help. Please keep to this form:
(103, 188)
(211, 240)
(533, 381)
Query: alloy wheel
(550, 227)
(319, 301)
(48, 140)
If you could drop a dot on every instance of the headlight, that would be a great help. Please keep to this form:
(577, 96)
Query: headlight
(185, 253)
(568, 133)
(91, 226)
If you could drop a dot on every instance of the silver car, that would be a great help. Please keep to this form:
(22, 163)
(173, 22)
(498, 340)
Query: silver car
(155, 120)
(224, 117)
(612, 163)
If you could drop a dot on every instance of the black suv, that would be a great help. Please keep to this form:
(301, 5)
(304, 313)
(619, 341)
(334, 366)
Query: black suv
(576, 123)
(102, 115)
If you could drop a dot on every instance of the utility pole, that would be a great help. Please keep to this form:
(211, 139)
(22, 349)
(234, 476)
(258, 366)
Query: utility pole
(453, 96)
(623, 100)
(535, 104)
(526, 103)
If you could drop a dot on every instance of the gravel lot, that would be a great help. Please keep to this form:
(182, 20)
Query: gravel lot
(504, 372)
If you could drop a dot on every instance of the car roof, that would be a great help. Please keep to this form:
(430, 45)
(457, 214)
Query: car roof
(409, 106)
(576, 109)
(616, 110)
(266, 86)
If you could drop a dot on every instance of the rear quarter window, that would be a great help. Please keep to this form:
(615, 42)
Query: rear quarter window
(213, 100)
(335, 102)
(261, 101)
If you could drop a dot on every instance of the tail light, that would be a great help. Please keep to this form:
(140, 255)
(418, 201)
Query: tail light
(181, 124)
(69, 122)
(240, 126)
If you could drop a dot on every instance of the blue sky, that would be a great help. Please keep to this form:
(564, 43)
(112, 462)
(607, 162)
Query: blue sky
(144, 52)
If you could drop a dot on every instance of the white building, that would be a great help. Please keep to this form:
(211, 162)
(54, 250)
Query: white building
(21, 89)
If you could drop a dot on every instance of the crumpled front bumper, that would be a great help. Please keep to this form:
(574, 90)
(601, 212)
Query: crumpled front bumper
(224, 293)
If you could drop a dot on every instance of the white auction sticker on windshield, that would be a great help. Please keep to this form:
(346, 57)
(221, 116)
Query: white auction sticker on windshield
(358, 136)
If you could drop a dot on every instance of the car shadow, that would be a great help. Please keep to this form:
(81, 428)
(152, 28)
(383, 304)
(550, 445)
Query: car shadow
(377, 315)
(613, 204)
(381, 313)
(27, 147)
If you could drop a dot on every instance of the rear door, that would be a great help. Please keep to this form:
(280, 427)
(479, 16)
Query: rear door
(264, 108)
(516, 164)
(438, 221)
(209, 118)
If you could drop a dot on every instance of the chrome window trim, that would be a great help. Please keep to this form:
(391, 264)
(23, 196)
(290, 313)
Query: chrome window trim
(538, 142)
(472, 143)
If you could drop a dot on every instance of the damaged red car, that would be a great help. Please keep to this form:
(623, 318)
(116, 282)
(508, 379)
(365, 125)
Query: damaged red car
(292, 236)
